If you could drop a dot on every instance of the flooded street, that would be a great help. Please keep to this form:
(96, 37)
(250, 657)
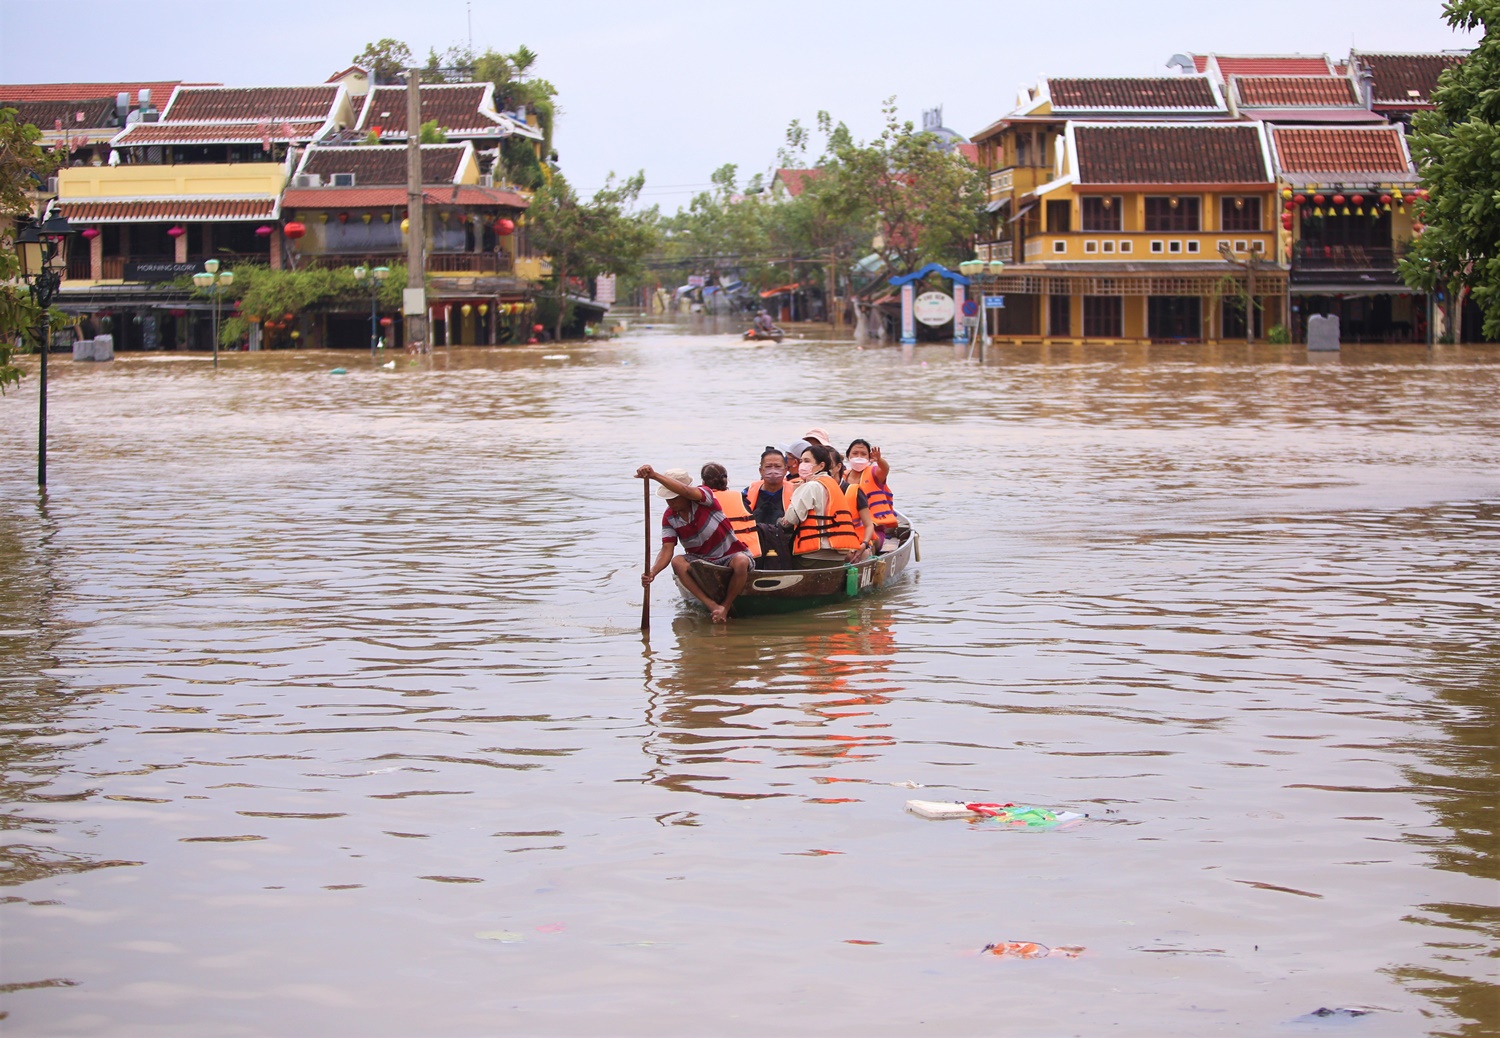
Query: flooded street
(327, 713)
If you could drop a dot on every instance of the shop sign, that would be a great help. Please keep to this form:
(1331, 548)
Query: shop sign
(158, 270)
(933, 308)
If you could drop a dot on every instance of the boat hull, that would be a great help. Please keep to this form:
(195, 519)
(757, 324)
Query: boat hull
(787, 591)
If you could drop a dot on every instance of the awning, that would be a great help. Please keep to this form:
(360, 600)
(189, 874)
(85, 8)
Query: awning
(997, 205)
(1021, 212)
(167, 210)
(768, 293)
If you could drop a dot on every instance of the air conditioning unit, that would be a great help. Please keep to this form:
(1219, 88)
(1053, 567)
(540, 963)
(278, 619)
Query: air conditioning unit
(342, 179)
(307, 180)
(486, 180)
(51, 185)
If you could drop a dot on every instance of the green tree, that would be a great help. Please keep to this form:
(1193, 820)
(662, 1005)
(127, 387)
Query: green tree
(263, 292)
(386, 59)
(925, 201)
(24, 166)
(603, 235)
(1457, 148)
(432, 133)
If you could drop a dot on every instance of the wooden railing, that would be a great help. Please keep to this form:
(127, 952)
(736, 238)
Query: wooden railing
(995, 250)
(469, 263)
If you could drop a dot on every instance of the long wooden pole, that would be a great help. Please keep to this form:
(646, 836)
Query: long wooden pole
(646, 590)
(414, 307)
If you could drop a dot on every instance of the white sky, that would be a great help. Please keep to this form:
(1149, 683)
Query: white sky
(677, 88)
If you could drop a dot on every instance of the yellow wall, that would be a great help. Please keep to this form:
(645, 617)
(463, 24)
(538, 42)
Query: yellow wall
(145, 181)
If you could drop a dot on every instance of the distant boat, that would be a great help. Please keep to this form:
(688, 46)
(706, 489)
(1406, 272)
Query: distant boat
(756, 335)
(788, 590)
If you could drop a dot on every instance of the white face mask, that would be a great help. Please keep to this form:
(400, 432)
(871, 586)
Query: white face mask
(805, 470)
(858, 464)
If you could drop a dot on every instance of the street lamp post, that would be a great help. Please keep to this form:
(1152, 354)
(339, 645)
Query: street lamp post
(374, 278)
(210, 278)
(39, 249)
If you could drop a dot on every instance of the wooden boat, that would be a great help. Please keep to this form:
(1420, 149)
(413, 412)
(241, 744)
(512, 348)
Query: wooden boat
(756, 335)
(785, 591)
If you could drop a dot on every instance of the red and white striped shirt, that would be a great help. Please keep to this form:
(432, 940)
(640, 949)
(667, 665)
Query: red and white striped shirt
(703, 530)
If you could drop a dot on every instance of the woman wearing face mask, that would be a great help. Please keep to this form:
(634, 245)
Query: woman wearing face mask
(870, 471)
(870, 538)
(820, 514)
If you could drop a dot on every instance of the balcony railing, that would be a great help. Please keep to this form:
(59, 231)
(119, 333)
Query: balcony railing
(469, 263)
(1001, 181)
(1313, 255)
(80, 265)
(995, 250)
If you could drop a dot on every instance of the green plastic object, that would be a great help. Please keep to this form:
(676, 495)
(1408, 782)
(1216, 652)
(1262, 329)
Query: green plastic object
(339, 371)
(851, 581)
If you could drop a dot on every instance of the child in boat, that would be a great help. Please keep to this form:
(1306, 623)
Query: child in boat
(693, 516)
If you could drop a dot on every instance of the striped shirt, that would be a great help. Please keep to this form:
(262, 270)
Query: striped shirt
(703, 530)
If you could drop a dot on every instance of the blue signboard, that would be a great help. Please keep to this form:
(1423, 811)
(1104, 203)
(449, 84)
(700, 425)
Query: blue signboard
(994, 302)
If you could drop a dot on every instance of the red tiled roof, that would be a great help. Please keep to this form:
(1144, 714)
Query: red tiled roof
(1273, 65)
(1398, 75)
(456, 107)
(216, 133)
(87, 91)
(344, 72)
(1294, 92)
(1175, 92)
(1327, 150)
(386, 197)
(795, 180)
(206, 104)
(968, 151)
(97, 112)
(170, 209)
(374, 165)
(1170, 155)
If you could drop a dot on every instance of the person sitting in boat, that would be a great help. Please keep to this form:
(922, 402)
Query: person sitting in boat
(820, 514)
(794, 461)
(766, 500)
(859, 506)
(694, 518)
(870, 473)
(732, 502)
(763, 323)
(816, 435)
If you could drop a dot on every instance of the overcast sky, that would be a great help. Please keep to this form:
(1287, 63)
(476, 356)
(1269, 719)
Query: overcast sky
(678, 88)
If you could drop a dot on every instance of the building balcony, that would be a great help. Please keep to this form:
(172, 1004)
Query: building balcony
(469, 264)
(995, 250)
(1136, 246)
(1314, 262)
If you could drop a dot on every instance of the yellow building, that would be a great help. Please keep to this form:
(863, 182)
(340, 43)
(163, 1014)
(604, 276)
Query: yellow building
(1130, 210)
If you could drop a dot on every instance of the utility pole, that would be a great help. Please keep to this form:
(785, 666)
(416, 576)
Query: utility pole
(414, 299)
(1249, 265)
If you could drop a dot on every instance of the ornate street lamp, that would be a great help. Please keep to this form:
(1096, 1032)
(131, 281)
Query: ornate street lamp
(374, 278)
(39, 248)
(210, 280)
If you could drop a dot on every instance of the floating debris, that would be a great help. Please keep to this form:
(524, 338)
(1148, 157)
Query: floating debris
(1032, 950)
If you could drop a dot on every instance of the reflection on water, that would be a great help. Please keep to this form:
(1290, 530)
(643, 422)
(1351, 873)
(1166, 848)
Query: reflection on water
(326, 712)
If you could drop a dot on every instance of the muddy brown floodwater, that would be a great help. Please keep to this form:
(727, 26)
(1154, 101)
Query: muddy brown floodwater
(326, 712)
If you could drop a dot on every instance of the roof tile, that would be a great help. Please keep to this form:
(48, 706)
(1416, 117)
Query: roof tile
(1170, 155)
(170, 209)
(88, 91)
(97, 112)
(374, 165)
(1273, 65)
(458, 109)
(216, 133)
(385, 197)
(1139, 92)
(199, 104)
(1295, 92)
(1404, 80)
(1327, 150)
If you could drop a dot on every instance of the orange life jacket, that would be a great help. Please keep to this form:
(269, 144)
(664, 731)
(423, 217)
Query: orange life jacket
(741, 521)
(851, 498)
(836, 527)
(882, 501)
(753, 493)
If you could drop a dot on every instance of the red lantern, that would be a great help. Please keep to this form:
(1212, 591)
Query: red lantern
(1357, 199)
(1418, 228)
(1422, 194)
(90, 233)
(1286, 222)
(1385, 199)
(537, 328)
(504, 227)
(1318, 199)
(1300, 198)
(386, 321)
(1289, 206)
(263, 231)
(1338, 199)
(176, 232)
(178, 313)
(343, 217)
(294, 230)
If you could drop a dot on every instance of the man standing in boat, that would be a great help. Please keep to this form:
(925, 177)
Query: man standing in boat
(693, 516)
